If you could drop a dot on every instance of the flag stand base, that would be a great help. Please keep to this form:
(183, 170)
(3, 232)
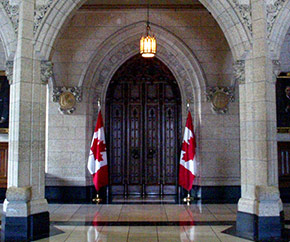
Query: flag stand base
(97, 200)
(188, 199)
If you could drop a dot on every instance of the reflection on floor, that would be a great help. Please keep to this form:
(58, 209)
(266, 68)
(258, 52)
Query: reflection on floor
(144, 222)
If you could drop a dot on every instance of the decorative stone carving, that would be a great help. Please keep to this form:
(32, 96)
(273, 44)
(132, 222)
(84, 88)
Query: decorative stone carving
(276, 69)
(9, 71)
(18, 194)
(245, 12)
(39, 14)
(67, 98)
(220, 97)
(46, 71)
(13, 13)
(272, 13)
(239, 71)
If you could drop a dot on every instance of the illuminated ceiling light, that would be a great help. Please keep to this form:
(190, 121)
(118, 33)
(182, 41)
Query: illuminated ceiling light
(148, 44)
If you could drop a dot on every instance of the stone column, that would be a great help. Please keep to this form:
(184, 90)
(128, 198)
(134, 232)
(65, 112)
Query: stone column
(25, 211)
(260, 206)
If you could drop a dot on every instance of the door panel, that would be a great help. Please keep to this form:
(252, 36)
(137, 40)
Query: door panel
(284, 164)
(143, 118)
(3, 164)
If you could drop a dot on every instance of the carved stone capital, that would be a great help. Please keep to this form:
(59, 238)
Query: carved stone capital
(273, 10)
(220, 97)
(46, 71)
(9, 71)
(239, 71)
(67, 98)
(12, 10)
(244, 10)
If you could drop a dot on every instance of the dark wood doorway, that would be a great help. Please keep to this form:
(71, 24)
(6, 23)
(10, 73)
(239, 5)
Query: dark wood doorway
(143, 123)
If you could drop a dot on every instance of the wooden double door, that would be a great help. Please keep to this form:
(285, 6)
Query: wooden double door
(144, 124)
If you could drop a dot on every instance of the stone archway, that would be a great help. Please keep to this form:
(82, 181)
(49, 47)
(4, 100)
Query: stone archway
(120, 47)
(7, 34)
(279, 30)
(171, 51)
(222, 10)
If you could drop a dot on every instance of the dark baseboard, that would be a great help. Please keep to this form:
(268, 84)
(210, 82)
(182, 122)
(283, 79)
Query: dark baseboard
(220, 194)
(78, 195)
(285, 194)
(69, 194)
(33, 227)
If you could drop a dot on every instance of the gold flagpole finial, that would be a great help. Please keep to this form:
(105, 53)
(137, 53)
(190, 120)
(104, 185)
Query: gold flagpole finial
(97, 200)
(188, 199)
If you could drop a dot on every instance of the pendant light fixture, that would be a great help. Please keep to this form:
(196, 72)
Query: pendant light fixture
(148, 43)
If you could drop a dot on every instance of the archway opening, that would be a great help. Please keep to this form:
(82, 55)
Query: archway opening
(143, 117)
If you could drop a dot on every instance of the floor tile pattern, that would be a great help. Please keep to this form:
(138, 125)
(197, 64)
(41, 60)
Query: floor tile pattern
(144, 222)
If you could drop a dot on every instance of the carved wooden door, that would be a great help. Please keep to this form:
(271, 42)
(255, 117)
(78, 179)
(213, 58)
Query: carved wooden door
(143, 122)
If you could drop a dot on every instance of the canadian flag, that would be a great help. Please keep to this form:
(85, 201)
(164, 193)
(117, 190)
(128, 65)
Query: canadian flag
(187, 166)
(97, 163)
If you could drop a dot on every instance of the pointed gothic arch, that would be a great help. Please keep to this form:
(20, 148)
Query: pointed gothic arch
(7, 34)
(279, 31)
(222, 10)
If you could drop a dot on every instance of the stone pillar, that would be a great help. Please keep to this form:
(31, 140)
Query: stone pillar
(260, 206)
(25, 211)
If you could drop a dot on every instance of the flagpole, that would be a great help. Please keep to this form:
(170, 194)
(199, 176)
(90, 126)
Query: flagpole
(188, 199)
(97, 199)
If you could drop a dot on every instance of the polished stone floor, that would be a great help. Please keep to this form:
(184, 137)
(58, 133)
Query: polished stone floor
(172, 223)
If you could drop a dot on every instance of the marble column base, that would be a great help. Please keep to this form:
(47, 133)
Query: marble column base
(24, 219)
(33, 227)
(260, 216)
(254, 227)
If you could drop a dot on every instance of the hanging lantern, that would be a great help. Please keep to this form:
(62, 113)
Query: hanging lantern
(148, 44)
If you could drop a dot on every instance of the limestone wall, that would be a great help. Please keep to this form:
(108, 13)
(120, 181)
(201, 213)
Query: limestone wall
(69, 136)
(2, 57)
(285, 54)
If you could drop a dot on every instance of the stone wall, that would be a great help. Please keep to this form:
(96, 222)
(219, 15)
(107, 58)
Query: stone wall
(2, 57)
(285, 54)
(68, 136)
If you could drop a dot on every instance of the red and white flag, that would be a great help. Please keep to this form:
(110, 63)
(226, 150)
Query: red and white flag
(187, 166)
(97, 163)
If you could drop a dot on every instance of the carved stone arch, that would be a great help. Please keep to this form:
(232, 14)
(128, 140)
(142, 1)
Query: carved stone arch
(279, 31)
(222, 10)
(235, 31)
(7, 34)
(171, 51)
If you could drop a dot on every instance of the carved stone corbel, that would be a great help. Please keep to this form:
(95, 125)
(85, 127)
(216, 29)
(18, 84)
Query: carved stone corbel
(9, 71)
(220, 97)
(239, 72)
(46, 71)
(67, 98)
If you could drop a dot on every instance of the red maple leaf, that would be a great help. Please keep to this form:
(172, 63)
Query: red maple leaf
(97, 148)
(189, 149)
